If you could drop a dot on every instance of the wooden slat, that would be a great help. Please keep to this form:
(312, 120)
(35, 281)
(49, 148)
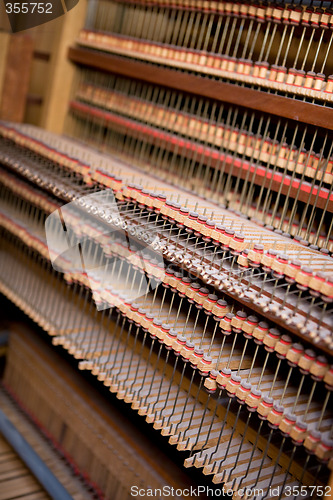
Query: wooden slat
(14, 467)
(23, 481)
(285, 107)
(16, 481)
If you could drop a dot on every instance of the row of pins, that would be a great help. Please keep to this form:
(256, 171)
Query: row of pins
(164, 387)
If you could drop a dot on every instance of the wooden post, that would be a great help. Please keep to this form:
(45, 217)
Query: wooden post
(16, 51)
(61, 72)
(4, 43)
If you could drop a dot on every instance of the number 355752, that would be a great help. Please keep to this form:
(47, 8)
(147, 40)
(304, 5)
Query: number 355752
(28, 8)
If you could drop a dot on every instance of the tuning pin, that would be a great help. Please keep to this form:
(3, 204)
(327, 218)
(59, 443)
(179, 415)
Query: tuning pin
(210, 302)
(327, 289)
(286, 424)
(282, 346)
(196, 357)
(259, 331)
(201, 296)
(328, 378)
(275, 416)
(255, 256)
(223, 377)
(163, 331)
(260, 71)
(210, 382)
(170, 338)
(238, 320)
(311, 441)
(225, 324)
(220, 309)
(253, 399)
(316, 282)
(270, 339)
(323, 450)
(187, 350)
(242, 260)
(328, 89)
(319, 368)
(298, 432)
(243, 391)
(233, 385)
(279, 264)
(294, 354)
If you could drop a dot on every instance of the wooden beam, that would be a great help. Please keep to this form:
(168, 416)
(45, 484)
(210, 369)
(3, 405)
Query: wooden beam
(293, 109)
(61, 71)
(16, 68)
(4, 44)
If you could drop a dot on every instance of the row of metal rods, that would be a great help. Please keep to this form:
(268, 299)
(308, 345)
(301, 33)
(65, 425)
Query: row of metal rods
(189, 244)
(227, 35)
(121, 364)
(90, 248)
(219, 180)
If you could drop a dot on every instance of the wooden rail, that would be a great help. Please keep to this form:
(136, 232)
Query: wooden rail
(299, 111)
(279, 182)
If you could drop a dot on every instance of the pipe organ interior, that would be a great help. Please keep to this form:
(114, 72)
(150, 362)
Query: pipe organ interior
(176, 242)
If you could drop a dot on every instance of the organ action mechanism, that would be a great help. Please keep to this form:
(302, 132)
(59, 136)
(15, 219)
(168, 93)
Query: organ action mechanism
(177, 239)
